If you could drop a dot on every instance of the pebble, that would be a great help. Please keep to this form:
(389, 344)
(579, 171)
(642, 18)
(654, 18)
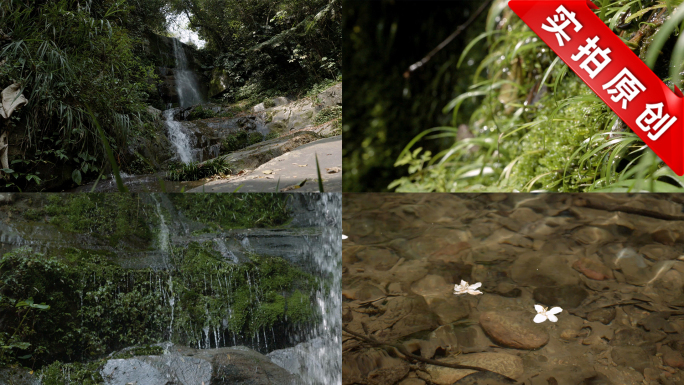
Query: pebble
(567, 296)
(593, 269)
(592, 235)
(432, 286)
(658, 252)
(502, 363)
(412, 381)
(604, 315)
(631, 356)
(672, 358)
(514, 329)
(568, 334)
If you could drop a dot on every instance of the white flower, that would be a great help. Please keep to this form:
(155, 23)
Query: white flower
(344, 236)
(544, 313)
(463, 288)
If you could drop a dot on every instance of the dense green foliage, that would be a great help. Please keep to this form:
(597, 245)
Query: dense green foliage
(82, 62)
(264, 47)
(110, 217)
(196, 171)
(383, 109)
(234, 210)
(97, 307)
(327, 114)
(538, 127)
(69, 57)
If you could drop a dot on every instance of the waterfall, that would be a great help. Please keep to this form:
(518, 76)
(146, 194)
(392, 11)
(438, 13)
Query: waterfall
(178, 138)
(187, 88)
(324, 359)
(163, 239)
(186, 81)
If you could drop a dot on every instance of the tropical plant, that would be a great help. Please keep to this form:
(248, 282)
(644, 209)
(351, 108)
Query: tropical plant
(68, 55)
(538, 127)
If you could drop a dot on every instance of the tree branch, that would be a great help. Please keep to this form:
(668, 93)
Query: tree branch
(461, 28)
(402, 349)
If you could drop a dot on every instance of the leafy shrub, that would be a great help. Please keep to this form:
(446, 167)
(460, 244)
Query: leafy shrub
(196, 171)
(327, 114)
(201, 113)
(69, 57)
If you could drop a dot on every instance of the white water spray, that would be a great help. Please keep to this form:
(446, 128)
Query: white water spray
(178, 138)
(163, 238)
(324, 364)
(186, 81)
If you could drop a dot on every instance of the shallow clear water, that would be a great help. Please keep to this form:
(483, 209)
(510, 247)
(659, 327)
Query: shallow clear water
(612, 263)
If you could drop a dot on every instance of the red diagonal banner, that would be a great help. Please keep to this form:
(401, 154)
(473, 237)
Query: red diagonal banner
(572, 30)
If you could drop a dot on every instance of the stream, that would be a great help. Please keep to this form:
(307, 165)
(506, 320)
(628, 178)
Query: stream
(532, 289)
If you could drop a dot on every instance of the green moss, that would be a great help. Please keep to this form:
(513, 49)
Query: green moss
(201, 113)
(268, 103)
(111, 217)
(77, 373)
(256, 293)
(271, 135)
(299, 309)
(229, 211)
(97, 307)
(147, 350)
(528, 136)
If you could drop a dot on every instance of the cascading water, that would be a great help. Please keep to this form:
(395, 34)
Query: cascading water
(178, 138)
(189, 94)
(324, 358)
(163, 239)
(186, 81)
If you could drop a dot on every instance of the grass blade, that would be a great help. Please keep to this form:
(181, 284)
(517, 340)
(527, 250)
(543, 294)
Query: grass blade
(320, 180)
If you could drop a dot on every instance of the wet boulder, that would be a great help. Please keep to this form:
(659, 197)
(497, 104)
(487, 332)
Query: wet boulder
(186, 366)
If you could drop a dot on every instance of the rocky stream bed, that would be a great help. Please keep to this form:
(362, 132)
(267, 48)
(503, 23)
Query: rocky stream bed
(613, 263)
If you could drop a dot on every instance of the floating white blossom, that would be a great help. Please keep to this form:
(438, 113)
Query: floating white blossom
(464, 288)
(344, 236)
(544, 313)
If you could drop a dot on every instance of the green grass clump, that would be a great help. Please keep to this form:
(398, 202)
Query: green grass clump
(146, 350)
(327, 114)
(322, 86)
(201, 113)
(538, 127)
(109, 216)
(196, 171)
(230, 211)
(59, 373)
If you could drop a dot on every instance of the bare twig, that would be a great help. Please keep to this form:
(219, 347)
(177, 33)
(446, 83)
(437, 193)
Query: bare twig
(446, 41)
(402, 349)
(598, 204)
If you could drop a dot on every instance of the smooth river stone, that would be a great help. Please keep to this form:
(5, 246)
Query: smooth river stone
(505, 364)
(514, 330)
